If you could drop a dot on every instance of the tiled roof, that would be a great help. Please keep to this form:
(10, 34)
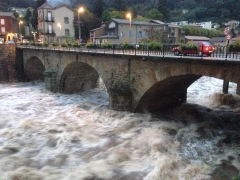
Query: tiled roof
(10, 14)
(197, 38)
(45, 6)
(124, 21)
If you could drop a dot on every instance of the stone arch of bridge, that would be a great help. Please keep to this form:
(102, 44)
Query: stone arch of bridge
(77, 77)
(34, 69)
(166, 93)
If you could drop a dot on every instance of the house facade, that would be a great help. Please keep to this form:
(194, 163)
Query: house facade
(8, 26)
(55, 24)
(118, 31)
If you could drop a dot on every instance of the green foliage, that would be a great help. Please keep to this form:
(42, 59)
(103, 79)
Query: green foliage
(55, 44)
(45, 44)
(127, 45)
(118, 14)
(154, 14)
(189, 46)
(198, 31)
(155, 46)
(32, 43)
(76, 44)
(234, 47)
(106, 45)
(154, 34)
(64, 44)
(105, 16)
(90, 45)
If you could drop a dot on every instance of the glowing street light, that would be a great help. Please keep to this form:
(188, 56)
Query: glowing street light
(80, 10)
(59, 25)
(20, 22)
(34, 34)
(130, 18)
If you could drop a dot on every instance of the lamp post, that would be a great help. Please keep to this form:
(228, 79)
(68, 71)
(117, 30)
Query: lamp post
(130, 23)
(59, 25)
(34, 34)
(20, 22)
(80, 10)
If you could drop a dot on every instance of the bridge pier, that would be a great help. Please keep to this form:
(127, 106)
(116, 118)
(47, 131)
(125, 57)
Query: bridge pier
(120, 100)
(225, 86)
(50, 77)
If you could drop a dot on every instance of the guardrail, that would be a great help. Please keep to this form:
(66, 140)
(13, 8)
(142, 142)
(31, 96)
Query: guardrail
(220, 52)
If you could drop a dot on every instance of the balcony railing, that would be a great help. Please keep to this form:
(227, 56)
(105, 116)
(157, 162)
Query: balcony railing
(47, 19)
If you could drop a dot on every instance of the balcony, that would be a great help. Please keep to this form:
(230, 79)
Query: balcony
(47, 32)
(47, 19)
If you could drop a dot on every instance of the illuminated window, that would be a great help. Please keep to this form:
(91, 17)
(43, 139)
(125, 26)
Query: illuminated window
(3, 30)
(2, 21)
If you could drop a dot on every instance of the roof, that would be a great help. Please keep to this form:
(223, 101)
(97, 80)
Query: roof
(45, 6)
(203, 38)
(124, 21)
(63, 5)
(101, 27)
(107, 37)
(157, 21)
(218, 39)
(9, 14)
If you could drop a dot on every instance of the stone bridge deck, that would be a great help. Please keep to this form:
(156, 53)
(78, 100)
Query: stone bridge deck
(135, 83)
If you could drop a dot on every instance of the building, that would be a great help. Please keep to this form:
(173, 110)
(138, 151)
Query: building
(8, 26)
(55, 24)
(118, 31)
(94, 33)
(175, 34)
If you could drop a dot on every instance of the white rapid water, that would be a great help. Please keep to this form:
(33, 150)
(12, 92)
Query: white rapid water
(47, 136)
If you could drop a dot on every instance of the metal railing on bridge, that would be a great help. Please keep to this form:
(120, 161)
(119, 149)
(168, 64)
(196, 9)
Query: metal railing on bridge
(220, 52)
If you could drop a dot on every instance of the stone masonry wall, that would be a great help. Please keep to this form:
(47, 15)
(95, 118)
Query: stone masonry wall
(7, 63)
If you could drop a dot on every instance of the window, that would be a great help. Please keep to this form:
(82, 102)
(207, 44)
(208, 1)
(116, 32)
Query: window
(67, 32)
(146, 34)
(66, 20)
(2, 21)
(140, 34)
(3, 29)
(122, 34)
(130, 33)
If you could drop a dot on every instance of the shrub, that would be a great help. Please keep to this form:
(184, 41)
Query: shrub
(76, 44)
(45, 44)
(32, 43)
(106, 45)
(234, 46)
(64, 44)
(127, 45)
(155, 46)
(54, 44)
(90, 45)
(189, 46)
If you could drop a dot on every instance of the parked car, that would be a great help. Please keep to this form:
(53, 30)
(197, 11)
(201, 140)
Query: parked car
(25, 41)
(204, 48)
(10, 42)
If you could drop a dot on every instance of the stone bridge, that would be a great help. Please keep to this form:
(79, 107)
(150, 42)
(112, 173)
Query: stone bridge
(134, 83)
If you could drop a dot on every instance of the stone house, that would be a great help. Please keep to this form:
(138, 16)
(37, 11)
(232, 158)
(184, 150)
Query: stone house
(8, 26)
(55, 23)
(118, 31)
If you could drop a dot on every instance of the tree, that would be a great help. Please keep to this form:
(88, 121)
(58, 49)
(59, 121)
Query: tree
(154, 14)
(119, 5)
(98, 8)
(105, 16)
(154, 35)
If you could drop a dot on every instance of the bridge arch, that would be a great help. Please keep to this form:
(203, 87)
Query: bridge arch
(166, 93)
(34, 69)
(77, 77)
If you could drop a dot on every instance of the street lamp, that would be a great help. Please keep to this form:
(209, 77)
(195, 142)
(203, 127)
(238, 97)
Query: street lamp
(130, 31)
(20, 22)
(59, 25)
(130, 18)
(80, 10)
(34, 34)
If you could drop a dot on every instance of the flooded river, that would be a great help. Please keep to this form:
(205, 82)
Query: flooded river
(51, 136)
